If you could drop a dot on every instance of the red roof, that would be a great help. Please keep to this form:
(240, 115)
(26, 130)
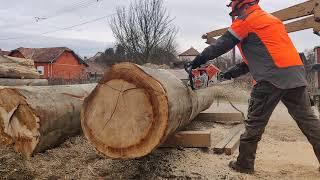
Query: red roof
(45, 55)
(4, 53)
(190, 52)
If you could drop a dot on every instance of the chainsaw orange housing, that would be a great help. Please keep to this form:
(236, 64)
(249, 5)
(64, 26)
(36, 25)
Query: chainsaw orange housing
(202, 76)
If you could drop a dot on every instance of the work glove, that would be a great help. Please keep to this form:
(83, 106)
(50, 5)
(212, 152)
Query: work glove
(198, 61)
(233, 72)
(188, 67)
(223, 76)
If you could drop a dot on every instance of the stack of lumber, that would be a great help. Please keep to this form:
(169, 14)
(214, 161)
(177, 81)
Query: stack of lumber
(19, 71)
(37, 118)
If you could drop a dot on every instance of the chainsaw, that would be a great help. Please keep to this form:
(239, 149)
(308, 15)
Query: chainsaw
(203, 77)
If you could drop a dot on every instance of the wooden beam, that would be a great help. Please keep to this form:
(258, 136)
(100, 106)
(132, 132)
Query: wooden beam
(189, 139)
(216, 33)
(233, 145)
(224, 118)
(306, 23)
(296, 11)
(220, 147)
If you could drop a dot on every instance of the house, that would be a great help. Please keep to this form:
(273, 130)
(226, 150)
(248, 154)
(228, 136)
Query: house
(188, 55)
(4, 53)
(95, 71)
(96, 56)
(55, 62)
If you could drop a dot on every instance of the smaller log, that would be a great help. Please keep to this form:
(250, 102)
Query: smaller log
(23, 82)
(15, 60)
(34, 119)
(17, 68)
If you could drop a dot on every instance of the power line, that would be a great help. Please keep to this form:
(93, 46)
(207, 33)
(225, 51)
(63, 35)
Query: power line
(68, 9)
(62, 29)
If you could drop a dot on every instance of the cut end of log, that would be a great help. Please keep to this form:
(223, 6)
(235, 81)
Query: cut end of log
(126, 115)
(19, 125)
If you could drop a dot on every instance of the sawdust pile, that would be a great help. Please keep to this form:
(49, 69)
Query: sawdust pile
(284, 153)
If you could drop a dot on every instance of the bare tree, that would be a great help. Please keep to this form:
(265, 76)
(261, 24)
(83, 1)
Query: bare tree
(144, 29)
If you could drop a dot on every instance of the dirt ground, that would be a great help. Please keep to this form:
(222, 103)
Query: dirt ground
(284, 153)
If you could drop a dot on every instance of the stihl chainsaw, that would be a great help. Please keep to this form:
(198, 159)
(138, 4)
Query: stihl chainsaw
(203, 77)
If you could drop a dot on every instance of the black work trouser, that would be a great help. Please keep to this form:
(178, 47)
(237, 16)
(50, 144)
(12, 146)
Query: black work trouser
(264, 99)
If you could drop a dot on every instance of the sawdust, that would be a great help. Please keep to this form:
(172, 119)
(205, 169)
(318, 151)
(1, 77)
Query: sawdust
(283, 153)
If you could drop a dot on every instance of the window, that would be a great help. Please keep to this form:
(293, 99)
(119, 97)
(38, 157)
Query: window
(40, 70)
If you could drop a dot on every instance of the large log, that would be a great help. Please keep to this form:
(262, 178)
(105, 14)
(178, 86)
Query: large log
(23, 82)
(11, 67)
(134, 109)
(33, 119)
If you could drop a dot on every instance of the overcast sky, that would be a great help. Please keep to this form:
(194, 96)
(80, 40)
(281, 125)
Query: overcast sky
(18, 26)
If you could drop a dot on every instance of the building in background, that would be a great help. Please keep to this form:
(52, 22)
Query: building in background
(188, 55)
(54, 63)
(95, 71)
(96, 56)
(4, 53)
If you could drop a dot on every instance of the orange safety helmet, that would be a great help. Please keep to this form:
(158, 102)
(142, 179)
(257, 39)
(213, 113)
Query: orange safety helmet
(236, 5)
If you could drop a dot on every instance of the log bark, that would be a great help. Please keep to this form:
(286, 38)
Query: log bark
(134, 109)
(23, 82)
(34, 119)
(19, 68)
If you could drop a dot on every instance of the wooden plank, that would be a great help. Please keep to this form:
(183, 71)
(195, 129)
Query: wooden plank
(233, 145)
(219, 148)
(306, 23)
(216, 33)
(224, 118)
(189, 139)
(296, 11)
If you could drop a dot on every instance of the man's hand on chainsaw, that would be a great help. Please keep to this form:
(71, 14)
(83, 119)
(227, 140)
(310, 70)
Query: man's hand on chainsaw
(197, 62)
(233, 72)
(188, 67)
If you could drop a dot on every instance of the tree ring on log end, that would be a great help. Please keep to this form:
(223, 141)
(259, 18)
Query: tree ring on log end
(19, 125)
(126, 115)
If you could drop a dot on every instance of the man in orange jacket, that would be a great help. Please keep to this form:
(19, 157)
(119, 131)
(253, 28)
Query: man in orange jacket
(273, 61)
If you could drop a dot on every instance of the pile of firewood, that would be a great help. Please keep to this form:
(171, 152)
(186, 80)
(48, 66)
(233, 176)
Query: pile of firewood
(19, 71)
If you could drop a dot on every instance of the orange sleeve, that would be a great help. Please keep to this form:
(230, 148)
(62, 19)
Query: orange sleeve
(239, 29)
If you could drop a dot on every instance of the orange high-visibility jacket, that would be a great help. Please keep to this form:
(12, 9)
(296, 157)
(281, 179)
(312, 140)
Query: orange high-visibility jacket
(267, 49)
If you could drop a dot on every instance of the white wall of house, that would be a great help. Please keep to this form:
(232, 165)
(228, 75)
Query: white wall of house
(40, 70)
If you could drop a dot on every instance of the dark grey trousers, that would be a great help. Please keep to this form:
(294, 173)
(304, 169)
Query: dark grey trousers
(264, 99)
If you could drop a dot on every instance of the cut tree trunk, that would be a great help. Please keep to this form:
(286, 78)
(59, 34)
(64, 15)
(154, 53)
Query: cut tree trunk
(19, 68)
(23, 82)
(134, 109)
(34, 119)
